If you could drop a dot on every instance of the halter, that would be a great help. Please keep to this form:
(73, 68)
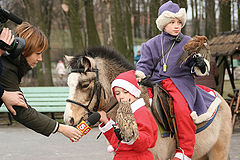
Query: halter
(97, 90)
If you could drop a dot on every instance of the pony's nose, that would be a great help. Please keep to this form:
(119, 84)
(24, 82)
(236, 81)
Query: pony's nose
(71, 121)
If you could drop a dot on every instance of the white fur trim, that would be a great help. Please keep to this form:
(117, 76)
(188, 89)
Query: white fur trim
(182, 156)
(127, 86)
(137, 104)
(167, 16)
(110, 149)
(208, 115)
(212, 93)
(198, 71)
(150, 101)
(107, 126)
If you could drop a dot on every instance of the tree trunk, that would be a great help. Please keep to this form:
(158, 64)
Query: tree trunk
(119, 35)
(145, 18)
(210, 26)
(225, 15)
(134, 11)
(193, 17)
(129, 31)
(73, 16)
(196, 24)
(138, 19)
(92, 34)
(233, 17)
(105, 22)
(154, 6)
(181, 3)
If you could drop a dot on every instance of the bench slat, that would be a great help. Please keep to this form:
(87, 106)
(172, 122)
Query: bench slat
(47, 103)
(45, 89)
(27, 95)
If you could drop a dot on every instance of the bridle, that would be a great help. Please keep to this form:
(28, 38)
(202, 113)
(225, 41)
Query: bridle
(96, 91)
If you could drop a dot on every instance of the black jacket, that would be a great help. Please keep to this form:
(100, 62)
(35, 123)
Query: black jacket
(1, 87)
(12, 72)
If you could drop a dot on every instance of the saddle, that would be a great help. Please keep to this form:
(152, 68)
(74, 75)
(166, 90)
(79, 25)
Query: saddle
(163, 111)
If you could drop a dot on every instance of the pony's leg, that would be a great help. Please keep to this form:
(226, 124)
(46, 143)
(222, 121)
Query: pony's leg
(220, 150)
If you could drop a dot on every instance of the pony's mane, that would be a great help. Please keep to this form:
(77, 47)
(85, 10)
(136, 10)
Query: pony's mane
(105, 53)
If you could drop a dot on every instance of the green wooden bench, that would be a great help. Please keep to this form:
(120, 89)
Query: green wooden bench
(44, 99)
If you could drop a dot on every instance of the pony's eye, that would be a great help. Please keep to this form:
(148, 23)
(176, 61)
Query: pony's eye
(85, 85)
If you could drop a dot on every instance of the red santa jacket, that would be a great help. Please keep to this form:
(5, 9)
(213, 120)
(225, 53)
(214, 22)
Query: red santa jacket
(148, 133)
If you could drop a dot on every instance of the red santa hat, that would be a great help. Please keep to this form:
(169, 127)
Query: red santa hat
(127, 80)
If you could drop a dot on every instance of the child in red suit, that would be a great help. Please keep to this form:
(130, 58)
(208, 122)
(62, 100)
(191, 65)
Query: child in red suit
(126, 89)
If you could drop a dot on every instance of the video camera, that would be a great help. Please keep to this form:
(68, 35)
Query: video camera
(16, 48)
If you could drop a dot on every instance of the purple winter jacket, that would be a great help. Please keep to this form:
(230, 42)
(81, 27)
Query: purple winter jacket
(201, 103)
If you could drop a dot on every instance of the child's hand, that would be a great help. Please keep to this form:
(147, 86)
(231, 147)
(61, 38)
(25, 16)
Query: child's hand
(103, 118)
(117, 132)
(139, 75)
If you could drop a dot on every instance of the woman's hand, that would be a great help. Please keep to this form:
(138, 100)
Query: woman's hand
(71, 132)
(13, 99)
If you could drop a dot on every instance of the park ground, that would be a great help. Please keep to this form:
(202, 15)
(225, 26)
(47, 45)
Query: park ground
(20, 143)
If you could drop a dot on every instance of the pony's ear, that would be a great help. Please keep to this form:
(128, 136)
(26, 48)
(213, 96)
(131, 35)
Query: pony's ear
(88, 63)
(67, 59)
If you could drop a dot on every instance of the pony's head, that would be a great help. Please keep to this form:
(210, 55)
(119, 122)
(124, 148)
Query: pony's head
(90, 82)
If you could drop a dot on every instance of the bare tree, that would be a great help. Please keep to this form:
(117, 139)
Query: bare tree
(154, 6)
(225, 15)
(129, 31)
(210, 25)
(145, 17)
(73, 12)
(118, 27)
(106, 22)
(196, 24)
(135, 17)
(92, 34)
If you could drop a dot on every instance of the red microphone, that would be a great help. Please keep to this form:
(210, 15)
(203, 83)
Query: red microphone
(85, 126)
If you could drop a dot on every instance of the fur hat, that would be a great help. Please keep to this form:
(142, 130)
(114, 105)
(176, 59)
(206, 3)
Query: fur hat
(167, 12)
(127, 80)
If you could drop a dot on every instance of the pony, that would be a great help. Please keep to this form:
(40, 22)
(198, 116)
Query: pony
(90, 90)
